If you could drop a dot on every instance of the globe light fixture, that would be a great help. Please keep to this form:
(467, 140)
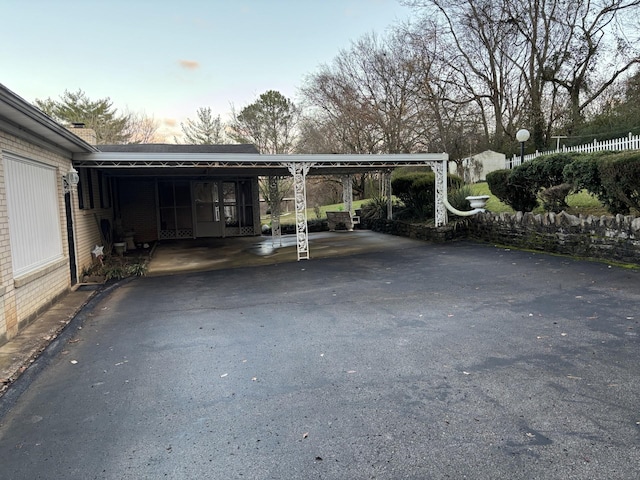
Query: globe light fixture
(70, 180)
(522, 136)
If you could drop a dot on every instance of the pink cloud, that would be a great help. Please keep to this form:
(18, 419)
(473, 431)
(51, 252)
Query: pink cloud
(189, 64)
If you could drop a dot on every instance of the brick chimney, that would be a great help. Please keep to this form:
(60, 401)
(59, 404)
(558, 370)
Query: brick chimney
(86, 134)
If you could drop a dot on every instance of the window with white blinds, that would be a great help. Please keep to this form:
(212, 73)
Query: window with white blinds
(34, 214)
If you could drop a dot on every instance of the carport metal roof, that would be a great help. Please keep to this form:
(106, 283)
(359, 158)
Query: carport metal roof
(250, 163)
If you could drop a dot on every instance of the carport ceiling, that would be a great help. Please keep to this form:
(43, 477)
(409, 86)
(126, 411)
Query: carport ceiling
(237, 164)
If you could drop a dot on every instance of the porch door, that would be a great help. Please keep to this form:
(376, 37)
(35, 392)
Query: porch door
(207, 209)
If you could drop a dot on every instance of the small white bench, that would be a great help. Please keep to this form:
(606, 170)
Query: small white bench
(336, 218)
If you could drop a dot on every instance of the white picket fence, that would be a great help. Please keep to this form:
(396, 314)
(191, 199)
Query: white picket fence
(630, 142)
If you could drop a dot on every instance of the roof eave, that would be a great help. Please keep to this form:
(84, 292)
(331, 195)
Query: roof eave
(17, 111)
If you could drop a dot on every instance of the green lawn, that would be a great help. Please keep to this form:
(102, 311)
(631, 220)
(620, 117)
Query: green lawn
(493, 204)
(289, 217)
(581, 202)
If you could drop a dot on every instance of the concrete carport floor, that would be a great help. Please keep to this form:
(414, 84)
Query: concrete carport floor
(179, 256)
(453, 360)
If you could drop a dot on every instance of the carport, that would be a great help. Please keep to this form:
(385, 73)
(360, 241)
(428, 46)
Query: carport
(181, 161)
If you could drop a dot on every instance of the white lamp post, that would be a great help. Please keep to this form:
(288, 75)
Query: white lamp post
(522, 136)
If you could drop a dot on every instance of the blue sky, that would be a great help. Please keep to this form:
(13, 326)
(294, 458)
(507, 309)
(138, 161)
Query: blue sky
(168, 58)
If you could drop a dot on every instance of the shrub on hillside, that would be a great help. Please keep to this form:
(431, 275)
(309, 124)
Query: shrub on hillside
(417, 191)
(516, 196)
(620, 176)
(543, 177)
(585, 173)
(546, 171)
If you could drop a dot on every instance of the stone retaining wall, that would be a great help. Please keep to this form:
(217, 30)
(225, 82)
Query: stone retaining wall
(451, 231)
(615, 238)
(607, 237)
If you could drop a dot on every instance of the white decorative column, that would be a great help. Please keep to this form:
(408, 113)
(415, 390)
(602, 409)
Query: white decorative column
(347, 193)
(439, 167)
(387, 186)
(299, 172)
(274, 205)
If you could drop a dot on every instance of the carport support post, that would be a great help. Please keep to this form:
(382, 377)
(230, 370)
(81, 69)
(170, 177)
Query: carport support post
(274, 205)
(387, 185)
(439, 167)
(347, 193)
(299, 172)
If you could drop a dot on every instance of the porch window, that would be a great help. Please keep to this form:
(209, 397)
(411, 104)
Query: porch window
(174, 201)
(238, 205)
(82, 173)
(104, 189)
(230, 207)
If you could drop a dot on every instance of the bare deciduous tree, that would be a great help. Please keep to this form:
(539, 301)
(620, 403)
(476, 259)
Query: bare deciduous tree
(142, 129)
(535, 62)
(366, 97)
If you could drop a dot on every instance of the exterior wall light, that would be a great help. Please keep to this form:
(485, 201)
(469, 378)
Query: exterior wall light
(70, 180)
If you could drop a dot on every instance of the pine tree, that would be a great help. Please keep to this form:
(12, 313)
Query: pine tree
(205, 130)
(99, 115)
(269, 123)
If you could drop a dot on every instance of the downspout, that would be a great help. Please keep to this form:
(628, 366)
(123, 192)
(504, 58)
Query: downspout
(477, 202)
(460, 213)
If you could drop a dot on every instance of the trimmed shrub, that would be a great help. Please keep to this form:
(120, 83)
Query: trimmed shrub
(554, 199)
(585, 173)
(497, 181)
(542, 177)
(518, 197)
(548, 170)
(542, 174)
(620, 176)
(417, 191)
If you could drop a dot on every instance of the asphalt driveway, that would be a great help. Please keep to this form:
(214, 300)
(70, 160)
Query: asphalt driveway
(431, 361)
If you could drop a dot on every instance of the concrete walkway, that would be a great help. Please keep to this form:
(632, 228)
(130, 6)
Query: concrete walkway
(22, 350)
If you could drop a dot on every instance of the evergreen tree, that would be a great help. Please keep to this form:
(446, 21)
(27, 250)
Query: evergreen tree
(99, 115)
(205, 130)
(269, 123)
